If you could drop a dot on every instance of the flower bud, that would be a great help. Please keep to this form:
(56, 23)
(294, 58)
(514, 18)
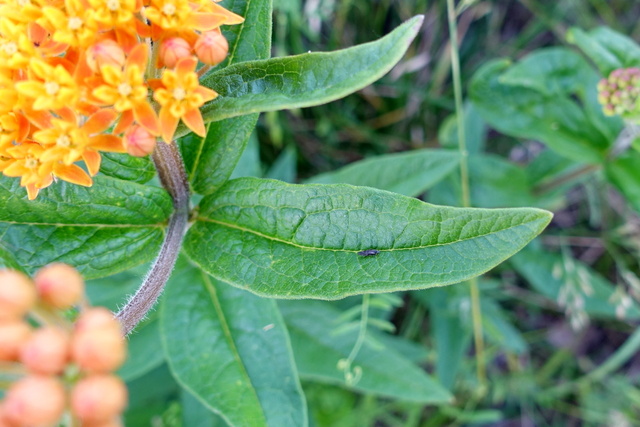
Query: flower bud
(98, 398)
(211, 47)
(35, 401)
(138, 141)
(46, 352)
(99, 351)
(59, 285)
(107, 52)
(114, 422)
(13, 336)
(172, 50)
(17, 295)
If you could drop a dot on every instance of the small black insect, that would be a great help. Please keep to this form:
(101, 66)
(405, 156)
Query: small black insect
(369, 252)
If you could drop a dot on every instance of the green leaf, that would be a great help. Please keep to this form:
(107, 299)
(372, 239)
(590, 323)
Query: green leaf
(231, 350)
(195, 414)
(7, 260)
(144, 351)
(549, 272)
(494, 182)
(302, 241)
(318, 348)
(304, 80)
(411, 173)
(284, 167)
(557, 120)
(149, 397)
(211, 160)
(475, 131)
(624, 174)
(607, 48)
(100, 230)
(126, 167)
(451, 336)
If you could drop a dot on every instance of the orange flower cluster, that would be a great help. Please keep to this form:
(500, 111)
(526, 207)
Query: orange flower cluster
(76, 75)
(58, 356)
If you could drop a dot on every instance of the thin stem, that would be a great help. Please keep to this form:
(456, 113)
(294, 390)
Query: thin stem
(352, 376)
(476, 312)
(174, 179)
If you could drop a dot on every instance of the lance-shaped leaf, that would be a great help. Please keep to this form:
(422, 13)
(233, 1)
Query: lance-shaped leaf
(302, 241)
(304, 80)
(411, 173)
(231, 350)
(319, 346)
(101, 230)
(211, 160)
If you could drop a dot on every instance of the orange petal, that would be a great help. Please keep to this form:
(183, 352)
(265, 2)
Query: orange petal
(41, 119)
(232, 18)
(138, 56)
(186, 66)
(206, 93)
(110, 143)
(193, 120)
(23, 127)
(206, 21)
(73, 174)
(168, 123)
(92, 160)
(126, 120)
(67, 115)
(155, 84)
(32, 191)
(100, 121)
(146, 117)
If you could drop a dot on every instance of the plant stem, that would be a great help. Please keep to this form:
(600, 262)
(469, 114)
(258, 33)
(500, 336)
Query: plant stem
(173, 177)
(476, 313)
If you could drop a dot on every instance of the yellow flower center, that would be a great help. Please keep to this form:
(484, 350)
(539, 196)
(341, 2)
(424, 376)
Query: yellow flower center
(113, 5)
(63, 141)
(31, 163)
(125, 89)
(179, 94)
(75, 23)
(51, 88)
(169, 9)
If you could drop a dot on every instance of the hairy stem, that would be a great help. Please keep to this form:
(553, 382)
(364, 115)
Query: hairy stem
(172, 174)
(476, 312)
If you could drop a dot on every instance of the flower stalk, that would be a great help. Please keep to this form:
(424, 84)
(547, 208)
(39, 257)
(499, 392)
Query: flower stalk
(173, 177)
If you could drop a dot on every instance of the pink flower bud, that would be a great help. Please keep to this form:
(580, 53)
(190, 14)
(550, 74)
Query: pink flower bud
(138, 141)
(59, 285)
(35, 401)
(17, 294)
(46, 352)
(96, 318)
(13, 336)
(107, 52)
(211, 47)
(98, 398)
(172, 50)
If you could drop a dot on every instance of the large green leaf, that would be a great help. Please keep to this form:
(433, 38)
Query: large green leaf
(304, 80)
(101, 230)
(318, 348)
(608, 49)
(522, 110)
(126, 167)
(7, 260)
(302, 241)
(231, 350)
(211, 160)
(410, 173)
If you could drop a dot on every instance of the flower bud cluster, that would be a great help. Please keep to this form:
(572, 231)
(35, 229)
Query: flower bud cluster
(68, 368)
(619, 93)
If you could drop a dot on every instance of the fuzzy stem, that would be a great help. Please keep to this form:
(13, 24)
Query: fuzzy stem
(173, 177)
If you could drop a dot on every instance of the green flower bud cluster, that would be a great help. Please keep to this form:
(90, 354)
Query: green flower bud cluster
(620, 92)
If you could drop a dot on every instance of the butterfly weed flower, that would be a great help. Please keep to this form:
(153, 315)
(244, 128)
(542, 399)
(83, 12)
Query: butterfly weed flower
(77, 76)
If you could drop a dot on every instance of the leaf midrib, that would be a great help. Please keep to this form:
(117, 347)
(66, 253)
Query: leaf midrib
(276, 239)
